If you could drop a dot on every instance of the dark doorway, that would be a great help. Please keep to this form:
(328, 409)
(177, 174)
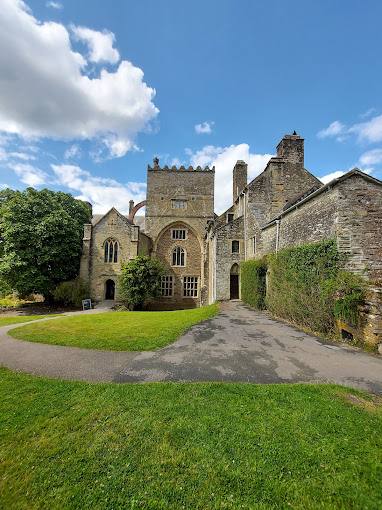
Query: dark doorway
(234, 286)
(109, 289)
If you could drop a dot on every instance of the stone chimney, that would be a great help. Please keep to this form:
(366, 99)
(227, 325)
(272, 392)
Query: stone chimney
(239, 178)
(131, 207)
(291, 148)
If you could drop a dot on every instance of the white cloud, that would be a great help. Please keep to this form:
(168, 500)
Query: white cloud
(3, 186)
(29, 175)
(331, 177)
(73, 152)
(370, 131)
(372, 157)
(335, 129)
(204, 128)
(55, 5)
(368, 112)
(100, 44)
(44, 91)
(22, 155)
(224, 159)
(102, 193)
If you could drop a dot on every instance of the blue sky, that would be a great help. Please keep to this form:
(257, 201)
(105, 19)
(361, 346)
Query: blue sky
(91, 91)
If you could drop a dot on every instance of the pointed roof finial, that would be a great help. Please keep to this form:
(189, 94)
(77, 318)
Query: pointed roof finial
(156, 161)
(294, 132)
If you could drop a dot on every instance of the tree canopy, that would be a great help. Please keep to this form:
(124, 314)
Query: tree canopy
(40, 238)
(140, 280)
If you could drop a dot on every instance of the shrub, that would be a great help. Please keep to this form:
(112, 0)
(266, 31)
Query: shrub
(253, 283)
(140, 280)
(308, 286)
(71, 293)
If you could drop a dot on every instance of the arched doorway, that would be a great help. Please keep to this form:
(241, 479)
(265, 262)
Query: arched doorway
(234, 282)
(109, 289)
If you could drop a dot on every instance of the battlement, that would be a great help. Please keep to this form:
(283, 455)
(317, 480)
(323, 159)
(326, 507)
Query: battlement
(180, 169)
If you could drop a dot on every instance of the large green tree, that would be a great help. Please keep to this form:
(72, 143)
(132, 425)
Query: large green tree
(40, 238)
(140, 280)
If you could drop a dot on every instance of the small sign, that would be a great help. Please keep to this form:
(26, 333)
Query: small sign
(86, 304)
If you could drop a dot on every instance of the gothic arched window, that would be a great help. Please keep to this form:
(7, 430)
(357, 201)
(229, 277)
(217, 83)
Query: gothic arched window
(178, 256)
(111, 251)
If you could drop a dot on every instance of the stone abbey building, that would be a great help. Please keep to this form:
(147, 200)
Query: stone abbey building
(282, 207)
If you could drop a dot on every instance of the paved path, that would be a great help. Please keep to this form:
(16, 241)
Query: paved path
(239, 345)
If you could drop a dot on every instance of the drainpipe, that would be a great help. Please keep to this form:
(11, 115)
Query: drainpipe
(277, 235)
(245, 226)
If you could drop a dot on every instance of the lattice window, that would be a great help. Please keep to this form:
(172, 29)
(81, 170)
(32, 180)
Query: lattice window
(190, 286)
(178, 204)
(167, 286)
(235, 247)
(179, 234)
(178, 256)
(111, 251)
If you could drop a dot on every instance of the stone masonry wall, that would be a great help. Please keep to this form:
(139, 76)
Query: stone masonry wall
(196, 187)
(115, 226)
(193, 265)
(225, 258)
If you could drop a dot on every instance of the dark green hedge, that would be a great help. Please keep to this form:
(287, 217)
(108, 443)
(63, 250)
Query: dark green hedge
(253, 286)
(308, 286)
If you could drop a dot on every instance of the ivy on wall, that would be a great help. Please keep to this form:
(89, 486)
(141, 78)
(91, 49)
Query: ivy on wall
(305, 285)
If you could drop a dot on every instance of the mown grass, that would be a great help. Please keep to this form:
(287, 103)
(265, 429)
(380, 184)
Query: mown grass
(196, 446)
(117, 331)
(6, 321)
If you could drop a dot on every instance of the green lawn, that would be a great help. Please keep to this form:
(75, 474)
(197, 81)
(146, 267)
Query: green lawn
(116, 331)
(73, 445)
(6, 321)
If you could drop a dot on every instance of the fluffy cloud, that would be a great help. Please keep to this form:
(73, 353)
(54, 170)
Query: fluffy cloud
(224, 159)
(370, 131)
(45, 92)
(205, 128)
(102, 193)
(29, 175)
(331, 177)
(372, 157)
(335, 129)
(100, 44)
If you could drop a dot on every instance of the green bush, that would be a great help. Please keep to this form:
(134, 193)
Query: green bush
(253, 283)
(71, 293)
(307, 286)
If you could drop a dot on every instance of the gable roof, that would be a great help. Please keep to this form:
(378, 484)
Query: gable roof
(296, 202)
(114, 210)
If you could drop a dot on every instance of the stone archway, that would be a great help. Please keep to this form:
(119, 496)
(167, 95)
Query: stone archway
(234, 282)
(110, 289)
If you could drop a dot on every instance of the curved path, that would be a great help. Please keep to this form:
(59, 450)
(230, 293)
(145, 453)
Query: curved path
(239, 345)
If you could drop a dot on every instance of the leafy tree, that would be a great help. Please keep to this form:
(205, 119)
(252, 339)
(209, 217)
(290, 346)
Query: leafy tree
(140, 280)
(40, 238)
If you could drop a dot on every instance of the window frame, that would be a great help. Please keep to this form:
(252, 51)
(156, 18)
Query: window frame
(173, 230)
(167, 286)
(112, 253)
(178, 203)
(181, 257)
(190, 288)
(232, 245)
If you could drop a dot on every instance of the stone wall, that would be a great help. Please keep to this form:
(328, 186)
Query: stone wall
(221, 244)
(194, 187)
(165, 246)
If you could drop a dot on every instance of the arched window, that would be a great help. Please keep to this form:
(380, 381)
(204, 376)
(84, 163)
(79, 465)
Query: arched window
(111, 251)
(178, 256)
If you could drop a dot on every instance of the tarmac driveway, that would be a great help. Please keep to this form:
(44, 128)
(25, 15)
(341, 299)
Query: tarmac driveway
(239, 345)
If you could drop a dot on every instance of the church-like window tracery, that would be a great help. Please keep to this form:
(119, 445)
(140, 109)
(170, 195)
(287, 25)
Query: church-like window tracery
(178, 256)
(111, 251)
